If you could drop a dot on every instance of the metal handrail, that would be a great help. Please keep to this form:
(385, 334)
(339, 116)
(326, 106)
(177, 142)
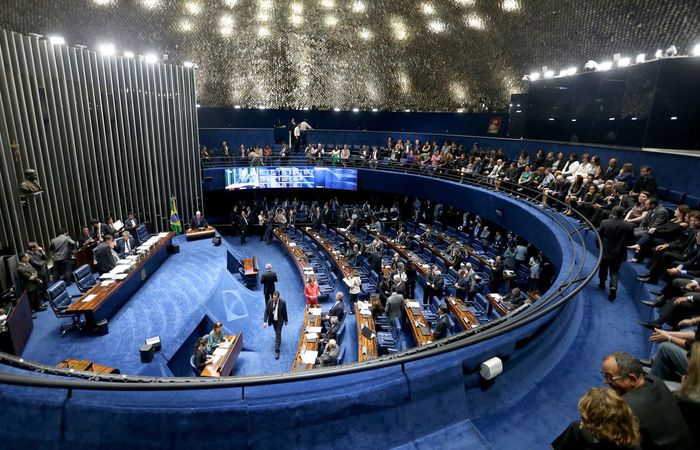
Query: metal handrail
(553, 299)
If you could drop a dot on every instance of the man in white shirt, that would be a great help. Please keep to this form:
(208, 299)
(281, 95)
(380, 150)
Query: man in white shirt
(303, 128)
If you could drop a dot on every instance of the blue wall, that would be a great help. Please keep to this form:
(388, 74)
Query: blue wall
(423, 122)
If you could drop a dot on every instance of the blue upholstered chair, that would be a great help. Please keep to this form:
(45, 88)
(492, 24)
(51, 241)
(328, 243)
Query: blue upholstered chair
(60, 300)
(84, 278)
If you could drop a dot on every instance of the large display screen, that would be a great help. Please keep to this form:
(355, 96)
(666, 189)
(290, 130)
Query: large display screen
(290, 177)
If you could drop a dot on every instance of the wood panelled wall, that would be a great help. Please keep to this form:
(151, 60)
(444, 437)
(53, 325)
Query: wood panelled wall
(106, 134)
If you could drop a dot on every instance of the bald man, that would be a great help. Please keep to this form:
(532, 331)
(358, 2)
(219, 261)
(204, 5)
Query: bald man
(268, 280)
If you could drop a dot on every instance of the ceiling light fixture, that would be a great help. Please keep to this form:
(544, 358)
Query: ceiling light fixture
(474, 21)
(57, 40)
(151, 58)
(510, 5)
(427, 9)
(128, 54)
(624, 62)
(696, 50)
(437, 26)
(188, 64)
(534, 76)
(358, 7)
(107, 49)
(640, 58)
(605, 65)
(193, 8)
(549, 74)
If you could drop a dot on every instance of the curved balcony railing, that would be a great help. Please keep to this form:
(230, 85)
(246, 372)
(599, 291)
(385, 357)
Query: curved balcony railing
(568, 285)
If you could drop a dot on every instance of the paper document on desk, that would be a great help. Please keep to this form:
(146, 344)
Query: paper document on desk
(365, 312)
(292, 244)
(315, 311)
(106, 276)
(120, 268)
(107, 282)
(311, 337)
(88, 298)
(347, 281)
(118, 225)
(162, 234)
(121, 276)
(220, 351)
(313, 329)
(413, 304)
(309, 357)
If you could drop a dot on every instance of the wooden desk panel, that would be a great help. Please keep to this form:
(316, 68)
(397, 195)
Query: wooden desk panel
(19, 326)
(194, 234)
(310, 320)
(466, 319)
(495, 303)
(224, 365)
(414, 320)
(250, 267)
(85, 365)
(366, 348)
(337, 258)
(295, 252)
(108, 299)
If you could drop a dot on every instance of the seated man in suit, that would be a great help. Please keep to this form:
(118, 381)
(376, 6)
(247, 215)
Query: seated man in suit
(336, 310)
(105, 256)
(126, 245)
(515, 298)
(107, 228)
(332, 331)
(330, 354)
(443, 323)
(198, 221)
(201, 357)
(86, 238)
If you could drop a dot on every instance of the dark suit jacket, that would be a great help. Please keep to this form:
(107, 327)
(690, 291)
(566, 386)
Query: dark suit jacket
(202, 222)
(394, 307)
(121, 246)
(332, 332)
(281, 312)
(26, 272)
(84, 238)
(106, 229)
(337, 310)
(616, 235)
(655, 218)
(268, 280)
(105, 259)
(443, 324)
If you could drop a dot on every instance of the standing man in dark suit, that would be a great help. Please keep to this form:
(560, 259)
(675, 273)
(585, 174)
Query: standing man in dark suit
(31, 282)
(131, 223)
(105, 256)
(337, 309)
(394, 306)
(443, 323)
(615, 235)
(62, 247)
(243, 225)
(276, 316)
(268, 280)
(37, 259)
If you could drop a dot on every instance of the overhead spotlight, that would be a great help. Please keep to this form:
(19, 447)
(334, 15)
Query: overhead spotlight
(605, 65)
(237, 106)
(640, 58)
(590, 66)
(526, 78)
(658, 54)
(572, 70)
(198, 105)
(358, 7)
(57, 40)
(151, 58)
(460, 110)
(355, 110)
(336, 109)
(406, 110)
(375, 109)
(671, 51)
(107, 49)
(696, 50)
(623, 62)
(534, 76)
(188, 64)
(128, 54)
(549, 74)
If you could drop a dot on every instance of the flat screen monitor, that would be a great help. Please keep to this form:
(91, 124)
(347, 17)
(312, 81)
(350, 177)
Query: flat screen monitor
(290, 177)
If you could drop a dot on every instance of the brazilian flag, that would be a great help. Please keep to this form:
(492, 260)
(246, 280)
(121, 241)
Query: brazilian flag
(175, 223)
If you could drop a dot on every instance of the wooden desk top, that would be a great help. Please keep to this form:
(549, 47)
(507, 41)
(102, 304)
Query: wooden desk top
(84, 365)
(337, 258)
(412, 318)
(495, 301)
(296, 252)
(366, 348)
(407, 255)
(222, 366)
(197, 233)
(310, 320)
(102, 293)
(250, 266)
(467, 320)
(466, 247)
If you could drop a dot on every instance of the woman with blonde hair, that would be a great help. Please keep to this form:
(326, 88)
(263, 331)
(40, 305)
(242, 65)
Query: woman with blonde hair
(311, 291)
(690, 386)
(607, 422)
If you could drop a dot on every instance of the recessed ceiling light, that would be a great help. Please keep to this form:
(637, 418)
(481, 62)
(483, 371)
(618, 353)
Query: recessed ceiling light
(193, 8)
(185, 25)
(375, 109)
(237, 106)
(331, 20)
(336, 109)
(510, 5)
(474, 21)
(230, 3)
(327, 3)
(365, 34)
(358, 7)
(226, 20)
(437, 26)
(151, 58)
(150, 4)
(427, 8)
(356, 110)
(128, 54)
(624, 62)
(297, 8)
(606, 65)
(188, 64)
(263, 31)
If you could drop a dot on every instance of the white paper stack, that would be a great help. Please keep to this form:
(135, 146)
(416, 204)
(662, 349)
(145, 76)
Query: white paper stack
(315, 311)
(309, 357)
(106, 283)
(313, 329)
(88, 298)
(121, 276)
(162, 234)
(220, 352)
(106, 276)
(413, 304)
(311, 337)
